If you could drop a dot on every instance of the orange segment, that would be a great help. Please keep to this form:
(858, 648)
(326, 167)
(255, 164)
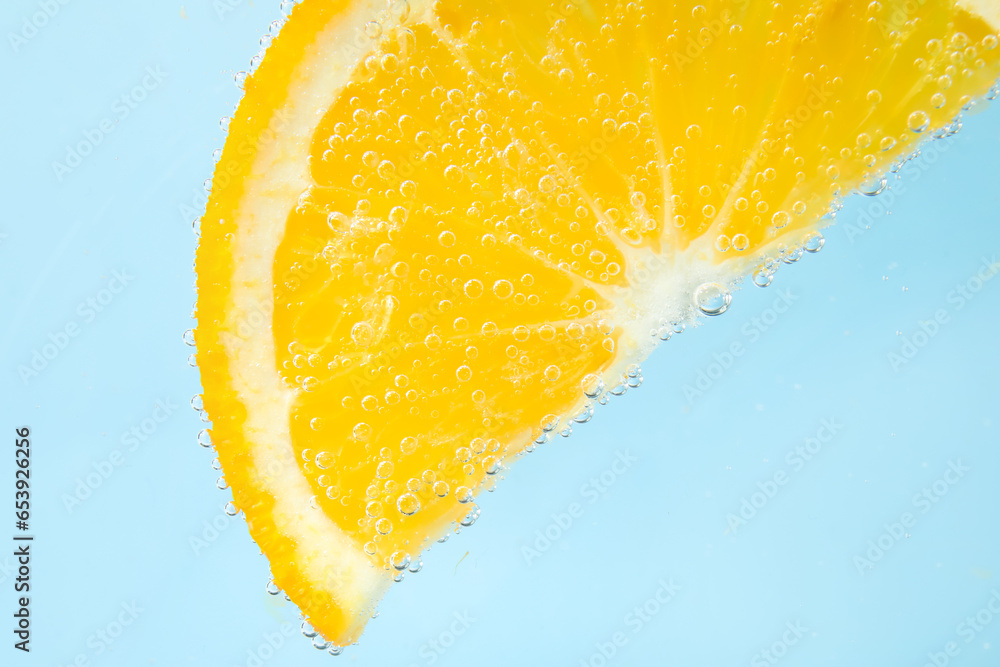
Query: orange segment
(440, 231)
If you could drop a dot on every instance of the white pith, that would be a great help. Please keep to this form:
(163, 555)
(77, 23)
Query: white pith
(988, 10)
(327, 555)
(329, 558)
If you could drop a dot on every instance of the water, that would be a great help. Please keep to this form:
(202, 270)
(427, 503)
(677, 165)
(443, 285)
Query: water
(637, 524)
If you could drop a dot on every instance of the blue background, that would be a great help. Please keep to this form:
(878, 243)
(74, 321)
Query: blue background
(144, 536)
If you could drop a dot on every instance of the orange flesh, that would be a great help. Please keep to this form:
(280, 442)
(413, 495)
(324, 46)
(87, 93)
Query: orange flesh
(465, 264)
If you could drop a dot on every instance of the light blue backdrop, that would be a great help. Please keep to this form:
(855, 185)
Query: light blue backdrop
(105, 248)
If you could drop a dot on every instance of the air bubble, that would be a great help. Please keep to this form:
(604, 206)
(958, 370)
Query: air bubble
(918, 121)
(397, 215)
(491, 465)
(362, 334)
(593, 385)
(813, 242)
(386, 170)
(473, 289)
(400, 9)
(762, 277)
(874, 186)
(503, 289)
(712, 298)
(792, 256)
(400, 269)
(408, 504)
(362, 431)
(389, 62)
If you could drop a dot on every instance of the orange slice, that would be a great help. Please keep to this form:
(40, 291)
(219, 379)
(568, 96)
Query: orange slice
(440, 231)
